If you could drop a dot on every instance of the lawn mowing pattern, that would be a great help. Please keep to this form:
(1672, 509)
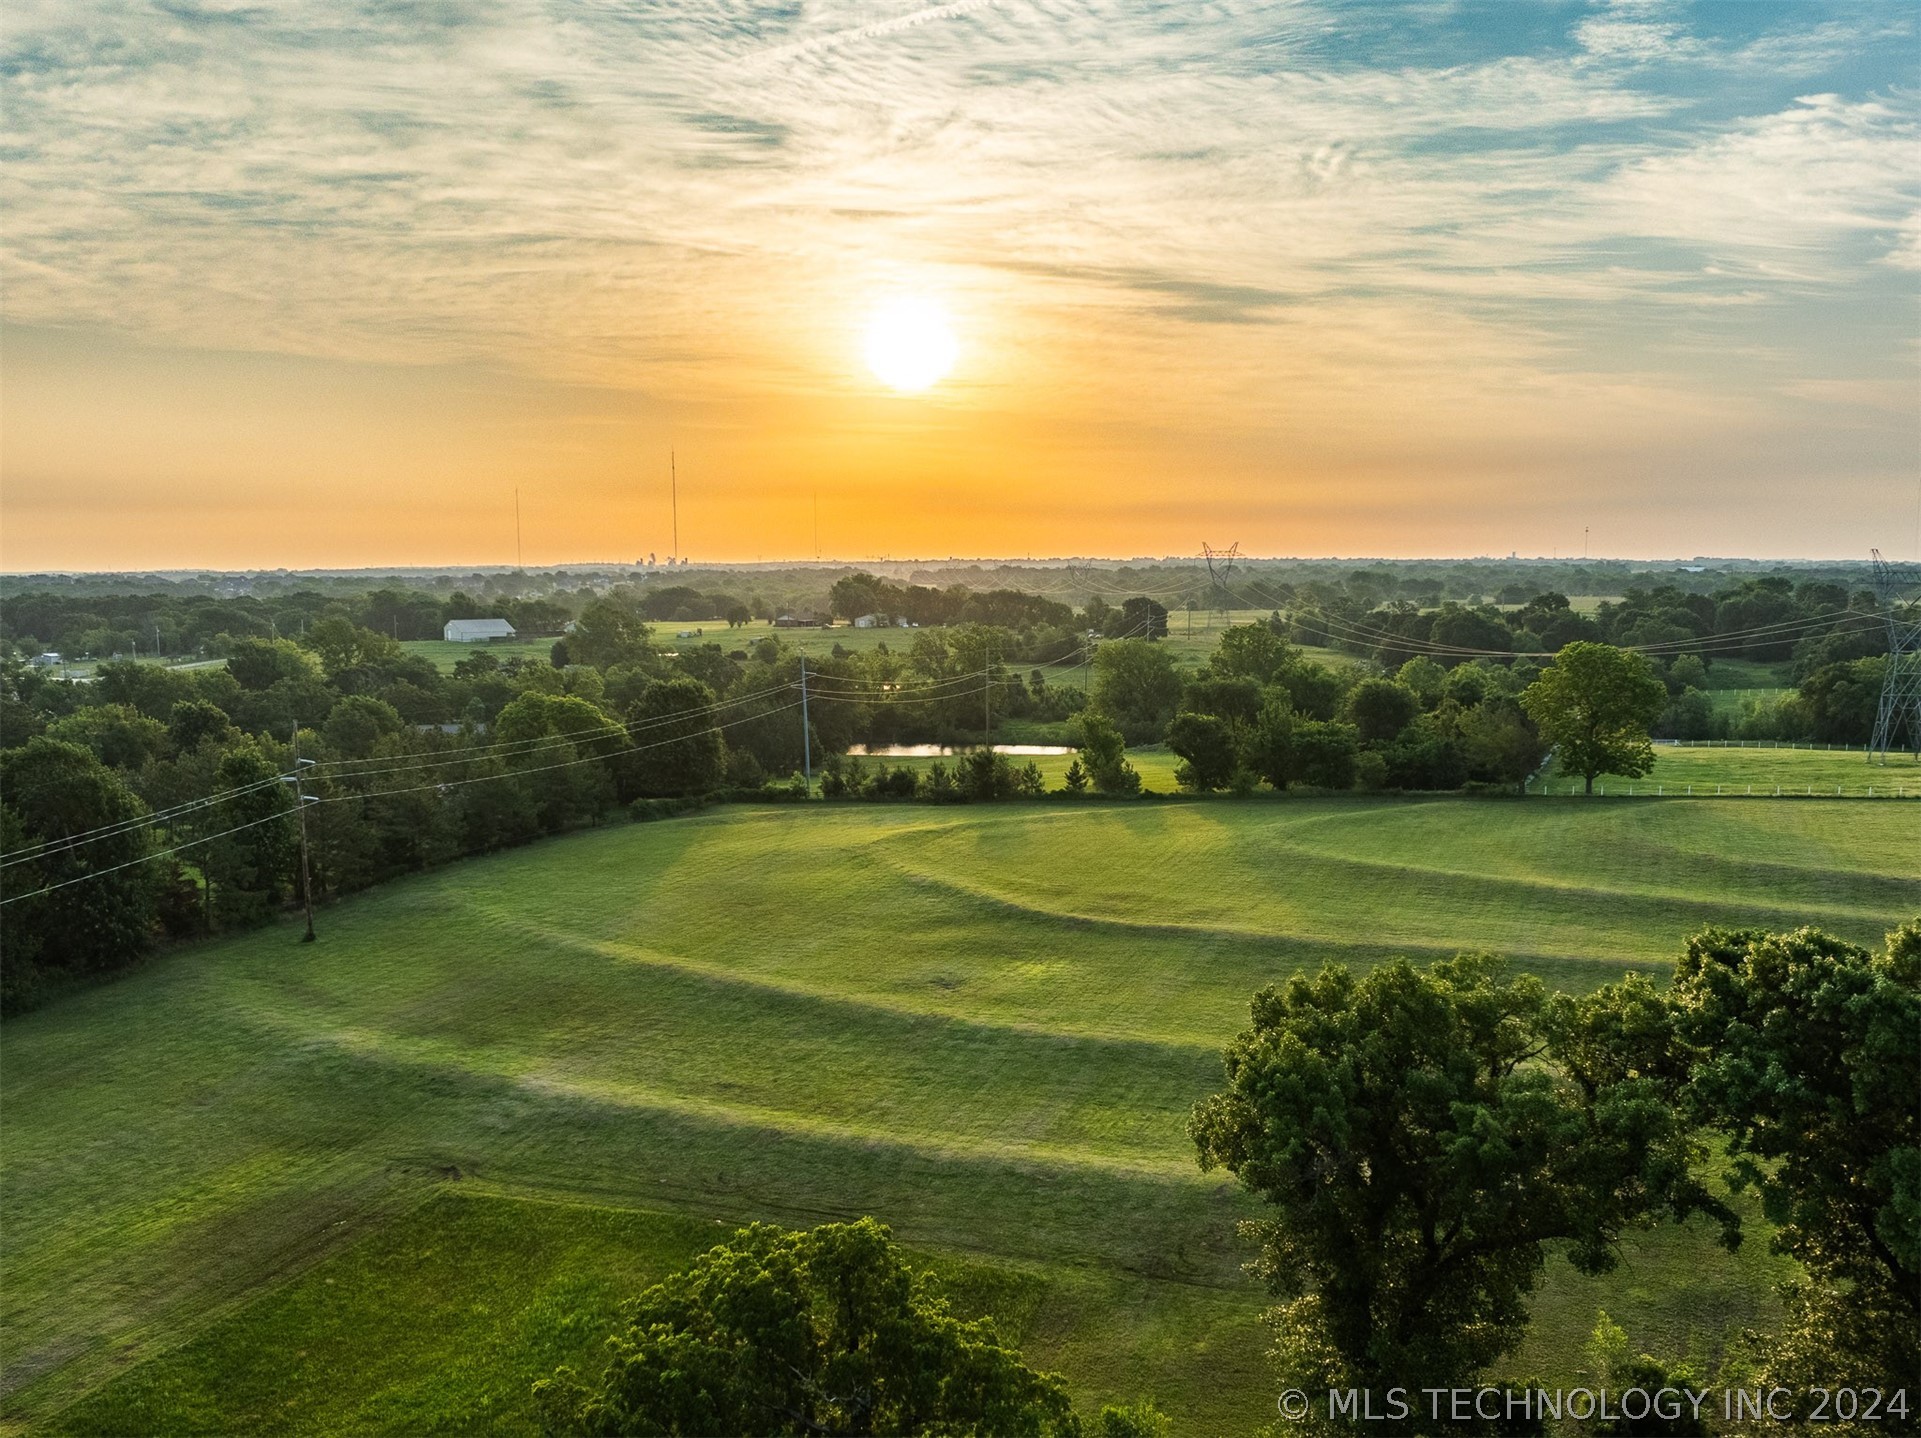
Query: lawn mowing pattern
(984, 1025)
(442, 1320)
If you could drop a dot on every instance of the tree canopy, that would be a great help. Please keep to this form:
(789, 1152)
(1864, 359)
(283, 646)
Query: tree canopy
(823, 1332)
(1595, 705)
(1807, 1056)
(1419, 1139)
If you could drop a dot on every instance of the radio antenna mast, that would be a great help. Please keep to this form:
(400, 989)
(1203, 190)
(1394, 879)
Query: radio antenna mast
(673, 480)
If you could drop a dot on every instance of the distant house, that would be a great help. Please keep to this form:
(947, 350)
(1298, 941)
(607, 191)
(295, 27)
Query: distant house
(477, 631)
(46, 661)
(868, 621)
(808, 620)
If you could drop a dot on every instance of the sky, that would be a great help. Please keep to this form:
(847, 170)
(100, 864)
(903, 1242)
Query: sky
(330, 282)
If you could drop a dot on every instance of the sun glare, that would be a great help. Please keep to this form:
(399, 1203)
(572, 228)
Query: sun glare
(910, 345)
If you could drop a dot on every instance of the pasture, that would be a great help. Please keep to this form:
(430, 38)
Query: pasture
(394, 1176)
(1733, 771)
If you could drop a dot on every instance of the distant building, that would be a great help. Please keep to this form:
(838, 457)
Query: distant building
(477, 631)
(46, 661)
(868, 621)
(803, 621)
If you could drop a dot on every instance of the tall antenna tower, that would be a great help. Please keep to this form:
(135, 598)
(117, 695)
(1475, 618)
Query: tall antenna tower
(1220, 564)
(673, 480)
(1901, 689)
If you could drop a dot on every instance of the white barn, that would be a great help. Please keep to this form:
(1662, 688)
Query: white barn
(475, 631)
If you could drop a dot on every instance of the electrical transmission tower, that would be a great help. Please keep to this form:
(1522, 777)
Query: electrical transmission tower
(1901, 689)
(1220, 564)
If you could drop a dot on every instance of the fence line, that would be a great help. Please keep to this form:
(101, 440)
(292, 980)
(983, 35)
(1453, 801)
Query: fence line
(1759, 744)
(1740, 791)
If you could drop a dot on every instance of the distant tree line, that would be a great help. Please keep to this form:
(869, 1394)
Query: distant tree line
(151, 802)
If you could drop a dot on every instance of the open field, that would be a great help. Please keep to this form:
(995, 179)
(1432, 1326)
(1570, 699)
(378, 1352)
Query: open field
(985, 1026)
(1679, 769)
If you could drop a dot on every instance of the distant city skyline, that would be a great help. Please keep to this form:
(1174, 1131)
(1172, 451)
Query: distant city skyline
(321, 285)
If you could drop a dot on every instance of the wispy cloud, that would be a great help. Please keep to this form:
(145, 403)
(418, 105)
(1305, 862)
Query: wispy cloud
(1504, 199)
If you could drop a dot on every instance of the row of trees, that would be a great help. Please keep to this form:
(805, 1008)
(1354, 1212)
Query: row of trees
(148, 802)
(1768, 619)
(1260, 711)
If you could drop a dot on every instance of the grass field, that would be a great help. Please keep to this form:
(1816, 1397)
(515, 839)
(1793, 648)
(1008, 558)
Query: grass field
(1707, 771)
(985, 1026)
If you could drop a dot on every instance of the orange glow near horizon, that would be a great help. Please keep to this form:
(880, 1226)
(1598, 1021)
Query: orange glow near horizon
(987, 280)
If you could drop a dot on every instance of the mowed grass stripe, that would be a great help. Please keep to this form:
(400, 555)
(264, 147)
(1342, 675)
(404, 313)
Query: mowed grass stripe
(829, 1037)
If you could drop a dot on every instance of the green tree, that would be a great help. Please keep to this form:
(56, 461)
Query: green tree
(608, 633)
(1322, 754)
(1207, 749)
(1381, 709)
(1610, 1367)
(343, 645)
(193, 722)
(1420, 1143)
(248, 859)
(357, 723)
(259, 664)
(1269, 746)
(1134, 1420)
(1237, 700)
(1143, 618)
(120, 735)
(679, 748)
(1103, 754)
(1136, 685)
(822, 1332)
(53, 796)
(552, 741)
(1595, 705)
(1250, 651)
(1809, 1060)
(1500, 745)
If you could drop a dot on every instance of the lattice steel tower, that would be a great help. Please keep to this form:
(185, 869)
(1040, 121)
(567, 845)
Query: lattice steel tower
(1901, 690)
(1220, 567)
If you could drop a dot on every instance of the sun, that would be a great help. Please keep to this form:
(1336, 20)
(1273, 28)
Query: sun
(910, 344)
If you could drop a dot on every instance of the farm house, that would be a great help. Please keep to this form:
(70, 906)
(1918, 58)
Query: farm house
(477, 631)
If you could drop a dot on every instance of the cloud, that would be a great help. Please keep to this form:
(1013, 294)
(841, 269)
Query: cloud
(699, 191)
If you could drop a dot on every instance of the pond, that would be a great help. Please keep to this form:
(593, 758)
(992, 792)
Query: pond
(941, 751)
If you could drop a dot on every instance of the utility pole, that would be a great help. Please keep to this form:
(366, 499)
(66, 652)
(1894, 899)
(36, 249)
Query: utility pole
(300, 808)
(806, 737)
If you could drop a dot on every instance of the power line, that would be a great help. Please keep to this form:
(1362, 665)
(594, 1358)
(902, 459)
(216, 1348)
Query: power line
(29, 852)
(1900, 700)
